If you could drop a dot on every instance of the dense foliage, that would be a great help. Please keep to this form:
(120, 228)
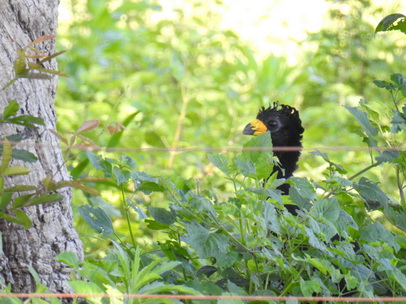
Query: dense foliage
(204, 223)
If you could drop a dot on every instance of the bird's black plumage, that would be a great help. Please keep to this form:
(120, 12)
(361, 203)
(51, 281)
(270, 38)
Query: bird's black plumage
(284, 124)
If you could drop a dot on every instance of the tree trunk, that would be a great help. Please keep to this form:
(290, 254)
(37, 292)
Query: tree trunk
(52, 231)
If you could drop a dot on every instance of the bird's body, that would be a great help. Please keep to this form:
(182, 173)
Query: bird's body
(285, 127)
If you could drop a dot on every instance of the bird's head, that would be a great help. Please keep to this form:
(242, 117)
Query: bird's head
(281, 121)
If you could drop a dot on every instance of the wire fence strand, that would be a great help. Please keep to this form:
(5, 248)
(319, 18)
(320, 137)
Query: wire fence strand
(204, 297)
(95, 148)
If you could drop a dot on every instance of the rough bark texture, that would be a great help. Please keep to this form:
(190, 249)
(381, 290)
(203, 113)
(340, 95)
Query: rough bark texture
(52, 231)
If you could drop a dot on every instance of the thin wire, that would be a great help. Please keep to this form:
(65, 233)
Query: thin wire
(83, 147)
(201, 297)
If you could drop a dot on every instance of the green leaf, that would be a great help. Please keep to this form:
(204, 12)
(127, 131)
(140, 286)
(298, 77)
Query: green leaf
(69, 258)
(154, 225)
(387, 156)
(5, 199)
(22, 200)
(46, 198)
(309, 287)
(19, 188)
(16, 170)
(27, 120)
(384, 85)
(11, 109)
(392, 22)
(302, 192)
(202, 204)
(24, 156)
(7, 156)
(326, 208)
(377, 233)
(23, 219)
(314, 241)
(372, 194)
(400, 277)
(97, 219)
(207, 244)
(399, 121)
(121, 175)
(162, 215)
(270, 218)
(128, 162)
(100, 163)
(338, 167)
(366, 125)
(83, 287)
(396, 217)
(245, 166)
(220, 161)
(258, 164)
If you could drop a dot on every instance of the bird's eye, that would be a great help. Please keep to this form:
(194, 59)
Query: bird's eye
(273, 123)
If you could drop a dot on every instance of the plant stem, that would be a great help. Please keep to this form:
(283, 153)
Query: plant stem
(179, 128)
(364, 170)
(127, 216)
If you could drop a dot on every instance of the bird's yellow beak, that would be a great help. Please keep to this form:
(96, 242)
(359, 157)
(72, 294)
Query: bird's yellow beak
(255, 127)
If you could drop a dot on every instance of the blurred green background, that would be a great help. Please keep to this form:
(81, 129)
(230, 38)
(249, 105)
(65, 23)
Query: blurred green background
(191, 74)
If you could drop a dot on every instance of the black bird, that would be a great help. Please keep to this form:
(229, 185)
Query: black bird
(285, 126)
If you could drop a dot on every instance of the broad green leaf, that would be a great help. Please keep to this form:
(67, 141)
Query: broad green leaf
(69, 258)
(309, 287)
(387, 156)
(220, 161)
(154, 225)
(11, 109)
(396, 217)
(384, 85)
(376, 232)
(372, 194)
(162, 215)
(206, 243)
(366, 125)
(100, 163)
(257, 164)
(245, 166)
(392, 22)
(270, 218)
(148, 187)
(400, 277)
(326, 208)
(202, 204)
(97, 219)
(84, 287)
(121, 175)
(399, 120)
(128, 162)
(314, 241)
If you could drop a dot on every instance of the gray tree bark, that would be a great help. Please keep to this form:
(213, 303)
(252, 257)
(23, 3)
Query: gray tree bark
(52, 231)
